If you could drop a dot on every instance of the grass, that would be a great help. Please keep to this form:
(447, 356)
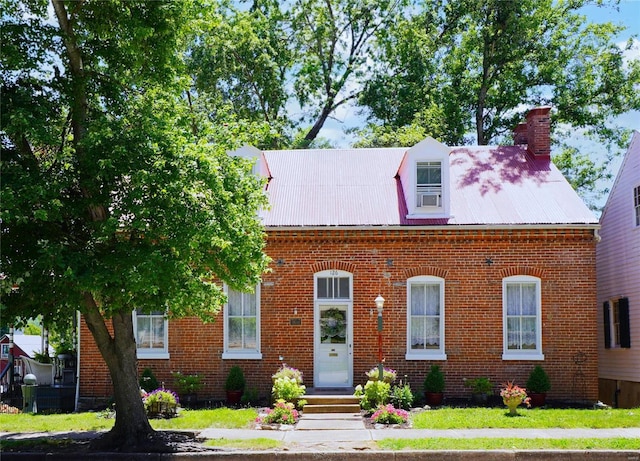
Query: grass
(70, 422)
(201, 419)
(470, 418)
(442, 418)
(252, 444)
(188, 419)
(509, 444)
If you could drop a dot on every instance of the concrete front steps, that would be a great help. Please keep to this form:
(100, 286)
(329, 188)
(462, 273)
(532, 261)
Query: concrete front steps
(330, 412)
(323, 404)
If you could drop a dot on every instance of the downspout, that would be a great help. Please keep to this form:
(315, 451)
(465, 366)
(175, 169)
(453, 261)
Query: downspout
(77, 400)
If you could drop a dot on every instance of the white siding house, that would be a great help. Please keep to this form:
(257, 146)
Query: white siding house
(618, 282)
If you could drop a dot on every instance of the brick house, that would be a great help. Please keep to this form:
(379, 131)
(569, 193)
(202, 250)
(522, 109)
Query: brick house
(485, 257)
(618, 275)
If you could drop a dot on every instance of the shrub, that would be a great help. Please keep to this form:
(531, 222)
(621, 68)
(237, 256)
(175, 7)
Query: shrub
(538, 381)
(375, 393)
(281, 413)
(148, 380)
(287, 388)
(187, 384)
(387, 414)
(481, 385)
(401, 396)
(161, 403)
(235, 379)
(434, 381)
(250, 397)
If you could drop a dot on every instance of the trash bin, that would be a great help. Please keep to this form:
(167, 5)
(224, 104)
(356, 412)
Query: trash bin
(29, 394)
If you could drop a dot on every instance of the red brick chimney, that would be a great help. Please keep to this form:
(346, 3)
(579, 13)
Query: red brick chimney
(539, 132)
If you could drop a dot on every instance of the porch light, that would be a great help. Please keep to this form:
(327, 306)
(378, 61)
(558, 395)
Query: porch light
(380, 306)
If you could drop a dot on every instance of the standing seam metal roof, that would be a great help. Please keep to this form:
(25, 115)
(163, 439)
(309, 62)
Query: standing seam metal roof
(359, 187)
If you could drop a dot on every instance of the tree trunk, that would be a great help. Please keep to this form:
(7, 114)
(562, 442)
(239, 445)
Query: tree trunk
(132, 430)
(315, 129)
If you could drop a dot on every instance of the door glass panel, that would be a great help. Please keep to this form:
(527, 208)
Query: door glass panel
(333, 326)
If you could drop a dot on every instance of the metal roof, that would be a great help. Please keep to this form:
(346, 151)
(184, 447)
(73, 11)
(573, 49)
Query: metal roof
(360, 187)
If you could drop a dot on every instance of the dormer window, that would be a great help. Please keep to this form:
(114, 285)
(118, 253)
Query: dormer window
(429, 184)
(424, 175)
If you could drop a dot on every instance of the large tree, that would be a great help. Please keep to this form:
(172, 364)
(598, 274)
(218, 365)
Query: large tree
(483, 63)
(239, 59)
(289, 64)
(111, 200)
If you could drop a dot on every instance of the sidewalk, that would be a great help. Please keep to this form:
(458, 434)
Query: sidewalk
(345, 437)
(350, 428)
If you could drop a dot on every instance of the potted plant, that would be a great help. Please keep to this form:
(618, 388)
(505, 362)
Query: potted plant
(481, 389)
(187, 387)
(513, 396)
(234, 385)
(538, 385)
(434, 386)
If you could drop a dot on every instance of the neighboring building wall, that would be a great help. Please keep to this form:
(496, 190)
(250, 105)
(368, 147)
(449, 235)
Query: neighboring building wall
(472, 263)
(618, 275)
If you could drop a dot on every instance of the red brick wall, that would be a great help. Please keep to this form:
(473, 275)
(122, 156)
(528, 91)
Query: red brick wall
(563, 259)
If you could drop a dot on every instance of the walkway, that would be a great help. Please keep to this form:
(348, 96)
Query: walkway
(341, 428)
(343, 436)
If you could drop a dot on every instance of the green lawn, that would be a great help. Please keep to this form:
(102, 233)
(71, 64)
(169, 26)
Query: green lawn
(442, 418)
(509, 444)
(188, 419)
(469, 418)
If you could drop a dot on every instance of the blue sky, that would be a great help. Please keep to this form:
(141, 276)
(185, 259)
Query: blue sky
(626, 13)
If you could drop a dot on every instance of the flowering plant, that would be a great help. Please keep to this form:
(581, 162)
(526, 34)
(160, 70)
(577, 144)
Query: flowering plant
(388, 414)
(287, 389)
(375, 393)
(513, 396)
(388, 375)
(281, 413)
(161, 402)
(286, 371)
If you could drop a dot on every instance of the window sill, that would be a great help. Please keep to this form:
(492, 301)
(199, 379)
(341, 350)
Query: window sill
(436, 355)
(512, 356)
(153, 355)
(241, 356)
(435, 214)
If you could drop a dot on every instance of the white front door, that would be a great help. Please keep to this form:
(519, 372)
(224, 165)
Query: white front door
(333, 345)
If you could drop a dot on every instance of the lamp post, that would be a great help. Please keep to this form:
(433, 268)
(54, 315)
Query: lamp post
(380, 306)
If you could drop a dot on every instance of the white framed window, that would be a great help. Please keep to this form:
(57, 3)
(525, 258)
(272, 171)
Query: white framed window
(152, 334)
(5, 351)
(636, 205)
(425, 318)
(424, 175)
(429, 185)
(522, 318)
(242, 325)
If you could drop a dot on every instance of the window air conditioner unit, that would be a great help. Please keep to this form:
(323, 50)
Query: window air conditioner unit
(429, 199)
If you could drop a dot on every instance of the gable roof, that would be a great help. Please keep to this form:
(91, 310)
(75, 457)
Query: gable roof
(30, 344)
(360, 187)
